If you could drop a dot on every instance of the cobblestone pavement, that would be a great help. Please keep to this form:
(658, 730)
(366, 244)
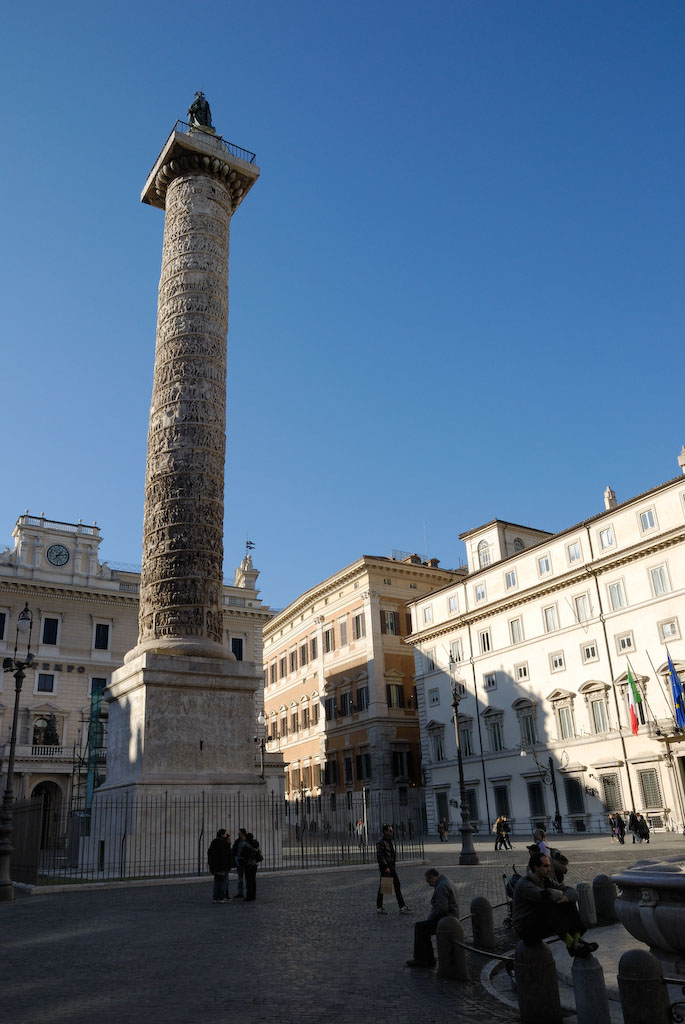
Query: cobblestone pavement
(310, 949)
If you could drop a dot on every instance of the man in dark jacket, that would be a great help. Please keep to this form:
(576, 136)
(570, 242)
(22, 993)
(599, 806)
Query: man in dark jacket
(443, 904)
(219, 860)
(238, 863)
(543, 907)
(385, 855)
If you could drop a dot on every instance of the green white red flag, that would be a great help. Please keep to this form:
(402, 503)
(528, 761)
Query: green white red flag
(634, 699)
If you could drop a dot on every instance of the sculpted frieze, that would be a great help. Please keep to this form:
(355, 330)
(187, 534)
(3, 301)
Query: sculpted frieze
(208, 304)
(181, 512)
(183, 336)
(171, 438)
(159, 490)
(186, 370)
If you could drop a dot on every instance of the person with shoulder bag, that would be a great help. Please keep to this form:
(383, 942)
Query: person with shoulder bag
(250, 856)
(219, 861)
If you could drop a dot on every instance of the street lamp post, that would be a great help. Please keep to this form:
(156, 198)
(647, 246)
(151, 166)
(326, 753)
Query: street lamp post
(468, 854)
(548, 778)
(17, 666)
(261, 740)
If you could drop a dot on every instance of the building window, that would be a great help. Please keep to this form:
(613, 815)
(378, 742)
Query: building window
(395, 695)
(329, 707)
(669, 630)
(3, 620)
(237, 647)
(292, 657)
(510, 579)
(314, 648)
(429, 660)
(330, 775)
(362, 698)
(305, 716)
(387, 581)
(490, 681)
(465, 741)
(46, 683)
(575, 796)
(483, 554)
(588, 652)
(556, 661)
(582, 607)
(342, 631)
(518, 545)
(437, 744)
(485, 641)
(316, 709)
(516, 631)
(272, 673)
(401, 764)
(303, 654)
(358, 626)
(600, 722)
(617, 597)
(501, 801)
(413, 586)
(625, 643)
(457, 650)
(345, 704)
(390, 623)
(521, 671)
(97, 685)
(480, 592)
(434, 696)
(329, 640)
(529, 732)
(453, 603)
(282, 667)
(659, 579)
(550, 618)
(566, 725)
(536, 799)
(427, 614)
(293, 721)
(606, 538)
(363, 766)
(649, 785)
(647, 520)
(613, 801)
(496, 736)
(573, 551)
(101, 642)
(50, 631)
(544, 565)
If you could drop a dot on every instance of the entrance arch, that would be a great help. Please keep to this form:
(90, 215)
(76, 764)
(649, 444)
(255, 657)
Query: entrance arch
(52, 808)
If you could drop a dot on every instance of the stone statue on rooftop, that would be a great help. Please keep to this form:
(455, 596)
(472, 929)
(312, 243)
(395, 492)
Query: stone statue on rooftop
(199, 114)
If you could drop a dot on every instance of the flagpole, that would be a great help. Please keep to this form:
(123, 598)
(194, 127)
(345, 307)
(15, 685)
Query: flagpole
(669, 701)
(642, 696)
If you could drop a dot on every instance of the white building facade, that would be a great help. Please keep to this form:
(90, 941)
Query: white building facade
(539, 639)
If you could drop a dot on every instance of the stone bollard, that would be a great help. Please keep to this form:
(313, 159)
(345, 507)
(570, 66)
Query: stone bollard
(451, 957)
(537, 984)
(586, 904)
(641, 986)
(592, 1001)
(604, 892)
(483, 924)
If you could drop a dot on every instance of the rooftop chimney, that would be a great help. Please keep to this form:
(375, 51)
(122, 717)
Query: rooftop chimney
(681, 458)
(609, 499)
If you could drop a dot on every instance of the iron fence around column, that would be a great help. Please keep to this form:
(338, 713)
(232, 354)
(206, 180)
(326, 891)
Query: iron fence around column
(138, 836)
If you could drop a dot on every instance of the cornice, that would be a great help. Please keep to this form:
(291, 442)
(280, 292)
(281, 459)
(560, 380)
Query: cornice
(81, 596)
(597, 567)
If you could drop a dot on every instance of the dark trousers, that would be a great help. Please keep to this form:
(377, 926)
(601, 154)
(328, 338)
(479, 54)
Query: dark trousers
(241, 879)
(552, 919)
(250, 881)
(423, 945)
(396, 884)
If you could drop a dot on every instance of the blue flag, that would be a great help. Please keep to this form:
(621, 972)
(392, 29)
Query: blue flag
(677, 690)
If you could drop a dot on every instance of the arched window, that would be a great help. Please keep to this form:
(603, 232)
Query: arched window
(40, 727)
(483, 554)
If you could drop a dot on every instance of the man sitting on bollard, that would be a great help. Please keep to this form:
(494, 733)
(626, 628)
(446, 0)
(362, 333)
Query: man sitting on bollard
(443, 904)
(543, 907)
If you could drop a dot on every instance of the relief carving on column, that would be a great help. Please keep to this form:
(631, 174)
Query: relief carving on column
(181, 581)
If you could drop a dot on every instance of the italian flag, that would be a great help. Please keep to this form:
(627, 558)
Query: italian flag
(634, 699)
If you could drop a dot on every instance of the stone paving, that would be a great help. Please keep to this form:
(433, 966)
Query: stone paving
(310, 949)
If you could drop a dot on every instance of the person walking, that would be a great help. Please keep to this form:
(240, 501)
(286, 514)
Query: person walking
(443, 904)
(632, 826)
(219, 860)
(251, 856)
(642, 828)
(620, 828)
(385, 855)
(543, 907)
(499, 833)
(443, 830)
(239, 864)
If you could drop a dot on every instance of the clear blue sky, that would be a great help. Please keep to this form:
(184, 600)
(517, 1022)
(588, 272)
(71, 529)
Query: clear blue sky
(456, 291)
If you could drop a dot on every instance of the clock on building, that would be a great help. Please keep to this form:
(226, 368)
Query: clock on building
(57, 554)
